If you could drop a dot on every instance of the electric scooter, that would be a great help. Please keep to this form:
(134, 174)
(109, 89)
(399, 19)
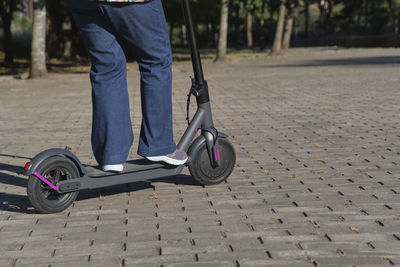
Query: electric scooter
(56, 175)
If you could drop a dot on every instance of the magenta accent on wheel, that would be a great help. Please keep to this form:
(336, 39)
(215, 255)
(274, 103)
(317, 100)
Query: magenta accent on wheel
(46, 181)
(216, 153)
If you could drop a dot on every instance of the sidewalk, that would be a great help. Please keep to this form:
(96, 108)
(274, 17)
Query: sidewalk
(316, 183)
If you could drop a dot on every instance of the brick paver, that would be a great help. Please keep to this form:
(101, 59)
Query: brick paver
(316, 182)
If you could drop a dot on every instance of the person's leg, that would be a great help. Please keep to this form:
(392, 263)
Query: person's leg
(143, 25)
(111, 128)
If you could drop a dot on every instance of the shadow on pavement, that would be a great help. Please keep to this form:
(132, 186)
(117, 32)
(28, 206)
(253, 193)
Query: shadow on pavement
(179, 179)
(20, 203)
(6, 178)
(14, 156)
(384, 60)
(11, 179)
(13, 202)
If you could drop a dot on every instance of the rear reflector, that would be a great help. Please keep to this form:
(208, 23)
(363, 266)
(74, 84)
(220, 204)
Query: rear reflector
(26, 167)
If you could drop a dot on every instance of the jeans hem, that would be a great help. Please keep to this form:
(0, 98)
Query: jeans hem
(114, 159)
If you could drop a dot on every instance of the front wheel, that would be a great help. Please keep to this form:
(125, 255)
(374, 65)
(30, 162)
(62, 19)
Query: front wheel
(42, 197)
(202, 170)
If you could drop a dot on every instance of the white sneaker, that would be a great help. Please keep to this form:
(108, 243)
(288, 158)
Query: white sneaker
(178, 157)
(113, 168)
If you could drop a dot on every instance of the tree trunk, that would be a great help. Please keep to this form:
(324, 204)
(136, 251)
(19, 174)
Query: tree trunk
(67, 46)
(30, 9)
(276, 47)
(262, 20)
(38, 43)
(223, 32)
(288, 31)
(249, 29)
(67, 50)
(183, 36)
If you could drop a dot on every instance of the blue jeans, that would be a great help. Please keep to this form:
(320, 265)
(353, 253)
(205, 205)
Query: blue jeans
(143, 27)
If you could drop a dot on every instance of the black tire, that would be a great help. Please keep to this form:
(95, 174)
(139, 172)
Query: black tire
(43, 198)
(202, 171)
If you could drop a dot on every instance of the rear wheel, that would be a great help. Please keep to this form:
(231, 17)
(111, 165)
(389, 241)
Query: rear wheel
(202, 170)
(42, 197)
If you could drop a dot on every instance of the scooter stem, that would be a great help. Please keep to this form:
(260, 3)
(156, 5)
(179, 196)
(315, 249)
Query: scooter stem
(194, 50)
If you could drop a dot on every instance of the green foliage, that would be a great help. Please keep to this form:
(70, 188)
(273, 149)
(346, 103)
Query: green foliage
(21, 23)
(379, 18)
(362, 16)
(343, 17)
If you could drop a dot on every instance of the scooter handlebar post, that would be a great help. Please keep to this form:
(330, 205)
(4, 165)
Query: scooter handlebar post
(194, 50)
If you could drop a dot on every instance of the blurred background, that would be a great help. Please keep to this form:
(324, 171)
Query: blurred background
(223, 26)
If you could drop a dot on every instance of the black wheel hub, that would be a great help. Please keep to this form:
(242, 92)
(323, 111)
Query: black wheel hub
(54, 175)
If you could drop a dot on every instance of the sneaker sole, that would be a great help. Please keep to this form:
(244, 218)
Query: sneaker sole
(168, 160)
(113, 169)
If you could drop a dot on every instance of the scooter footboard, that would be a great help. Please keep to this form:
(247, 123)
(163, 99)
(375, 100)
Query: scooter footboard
(93, 182)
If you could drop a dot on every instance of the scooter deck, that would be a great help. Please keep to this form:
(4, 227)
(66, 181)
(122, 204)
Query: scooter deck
(134, 171)
(129, 167)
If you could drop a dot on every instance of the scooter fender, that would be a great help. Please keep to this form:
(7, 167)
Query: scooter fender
(197, 143)
(42, 156)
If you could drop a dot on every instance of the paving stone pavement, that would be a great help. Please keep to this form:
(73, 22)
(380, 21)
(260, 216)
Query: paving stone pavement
(316, 182)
